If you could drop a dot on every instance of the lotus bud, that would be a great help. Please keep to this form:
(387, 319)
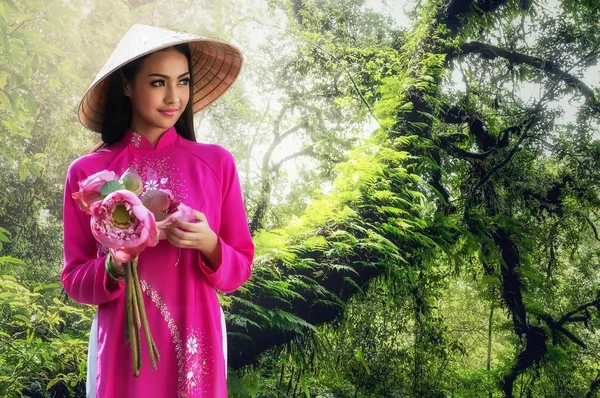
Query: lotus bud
(158, 202)
(132, 181)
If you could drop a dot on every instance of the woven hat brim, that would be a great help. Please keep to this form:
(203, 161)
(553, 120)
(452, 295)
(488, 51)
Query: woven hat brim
(215, 66)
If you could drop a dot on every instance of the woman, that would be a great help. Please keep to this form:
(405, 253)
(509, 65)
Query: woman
(142, 103)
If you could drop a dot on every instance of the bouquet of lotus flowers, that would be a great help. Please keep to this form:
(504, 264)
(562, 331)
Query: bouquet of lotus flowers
(126, 223)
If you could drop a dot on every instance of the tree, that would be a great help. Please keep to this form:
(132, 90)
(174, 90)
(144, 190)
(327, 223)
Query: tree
(451, 252)
(485, 155)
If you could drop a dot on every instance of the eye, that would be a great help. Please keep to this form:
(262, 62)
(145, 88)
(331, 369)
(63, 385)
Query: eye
(185, 82)
(157, 83)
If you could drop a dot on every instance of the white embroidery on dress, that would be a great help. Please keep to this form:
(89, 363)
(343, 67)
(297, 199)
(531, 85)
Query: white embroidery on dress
(136, 140)
(198, 362)
(195, 364)
(150, 184)
(160, 174)
(192, 345)
(164, 311)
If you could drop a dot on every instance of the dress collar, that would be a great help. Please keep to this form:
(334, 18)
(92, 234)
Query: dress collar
(139, 141)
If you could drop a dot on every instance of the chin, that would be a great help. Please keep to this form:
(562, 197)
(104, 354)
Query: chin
(163, 125)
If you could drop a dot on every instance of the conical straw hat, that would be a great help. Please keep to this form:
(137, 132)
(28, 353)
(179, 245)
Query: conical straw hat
(215, 65)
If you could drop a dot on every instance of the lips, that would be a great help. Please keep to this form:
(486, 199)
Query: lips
(168, 112)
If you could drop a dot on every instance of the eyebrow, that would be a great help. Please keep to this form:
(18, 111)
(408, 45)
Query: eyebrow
(166, 77)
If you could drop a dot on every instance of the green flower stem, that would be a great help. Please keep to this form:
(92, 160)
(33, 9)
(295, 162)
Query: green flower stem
(152, 349)
(136, 319)
(130, 304)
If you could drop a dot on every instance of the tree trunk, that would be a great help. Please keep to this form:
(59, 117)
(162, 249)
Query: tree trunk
(535, 336)
(341, 284)
(593, 391)
(262, 206)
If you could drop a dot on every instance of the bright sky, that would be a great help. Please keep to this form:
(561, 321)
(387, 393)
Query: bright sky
(393, 8)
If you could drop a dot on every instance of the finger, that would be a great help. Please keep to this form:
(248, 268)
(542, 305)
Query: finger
(170, 237)
(176, 232)
(201, 217)
(178, 242)
(189, 226)
(186, 244)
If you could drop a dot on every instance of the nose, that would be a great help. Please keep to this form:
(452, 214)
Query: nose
(171, 96)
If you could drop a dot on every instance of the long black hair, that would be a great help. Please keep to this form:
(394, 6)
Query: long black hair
(117, 109)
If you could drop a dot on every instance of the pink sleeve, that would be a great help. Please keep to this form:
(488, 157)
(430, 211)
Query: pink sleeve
(84, 276)
(237, 249)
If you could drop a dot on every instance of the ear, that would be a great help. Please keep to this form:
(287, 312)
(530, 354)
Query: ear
(127, 89)
(126, 86)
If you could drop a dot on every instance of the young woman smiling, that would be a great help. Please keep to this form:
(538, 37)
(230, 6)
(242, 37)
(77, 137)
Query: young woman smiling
(142, 103)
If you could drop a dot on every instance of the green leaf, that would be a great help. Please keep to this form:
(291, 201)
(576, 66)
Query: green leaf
(251, 385)
(22, 318)
(10, 260)
(30, 104)
(304, 385)
(46, 286)
(358, 354)
(23, 172)
(10, 126)
(4, 101)
(111, 186)
(52, 382)
(4, 238)
(82, 367)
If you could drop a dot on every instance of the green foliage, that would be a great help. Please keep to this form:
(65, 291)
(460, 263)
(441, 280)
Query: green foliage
(506, 187)
(384, 260)
(43, 340)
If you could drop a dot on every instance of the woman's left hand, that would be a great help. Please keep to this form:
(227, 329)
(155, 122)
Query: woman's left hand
(196, 235)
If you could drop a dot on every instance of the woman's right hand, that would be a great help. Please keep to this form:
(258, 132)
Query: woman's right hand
(116, 265)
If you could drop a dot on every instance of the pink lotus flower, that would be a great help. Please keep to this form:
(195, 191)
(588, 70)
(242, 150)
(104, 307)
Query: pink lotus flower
(166, 209)
(122, 223)
(90, 189)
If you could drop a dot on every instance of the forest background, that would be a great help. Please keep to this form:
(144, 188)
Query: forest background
(421, 181)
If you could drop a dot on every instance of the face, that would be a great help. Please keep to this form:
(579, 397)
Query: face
(159, 92)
